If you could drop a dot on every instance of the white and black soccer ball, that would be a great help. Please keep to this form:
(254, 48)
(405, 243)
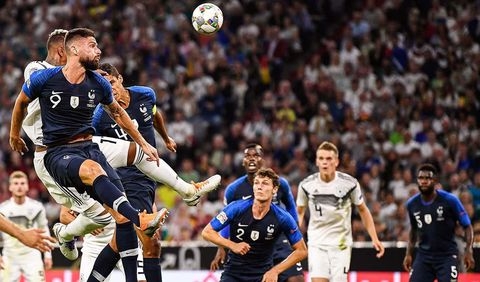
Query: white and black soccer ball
(207, 18)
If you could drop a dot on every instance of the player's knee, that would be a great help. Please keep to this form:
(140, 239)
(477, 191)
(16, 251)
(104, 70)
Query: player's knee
(151, 248)
(89, 171)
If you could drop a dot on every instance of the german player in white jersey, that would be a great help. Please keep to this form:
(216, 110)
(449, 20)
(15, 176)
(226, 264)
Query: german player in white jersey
(329, 195)
(18, 259)
(119, 153)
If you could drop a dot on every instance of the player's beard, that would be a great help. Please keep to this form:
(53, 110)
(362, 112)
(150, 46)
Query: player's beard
(427, 190)
(89, 64)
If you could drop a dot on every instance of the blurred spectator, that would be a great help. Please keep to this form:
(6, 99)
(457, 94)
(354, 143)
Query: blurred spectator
(475, 191)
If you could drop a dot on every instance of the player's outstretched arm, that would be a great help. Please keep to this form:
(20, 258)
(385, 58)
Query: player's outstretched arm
(468, 257)
(18, 115)
(412, 240)
(367, 221)
(37, 239)
(34, 238)
(301, 215)
(120, 116)
(221, 254)
(219, 259)
(159, 124)
(287, 199)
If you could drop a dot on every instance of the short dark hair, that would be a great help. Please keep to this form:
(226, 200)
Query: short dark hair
(110, 69)
(269, 173)
(56, 36)
(78, 32)
(428, 167)
(255, 146)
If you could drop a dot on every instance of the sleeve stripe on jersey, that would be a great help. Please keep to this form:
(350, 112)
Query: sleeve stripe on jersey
(43, 65)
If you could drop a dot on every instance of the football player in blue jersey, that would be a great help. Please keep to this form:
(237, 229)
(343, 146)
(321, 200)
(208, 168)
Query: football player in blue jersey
(242, 188)
(119, 153)
(255, 225)
(434, 214)
(139, 103)
(68, 96)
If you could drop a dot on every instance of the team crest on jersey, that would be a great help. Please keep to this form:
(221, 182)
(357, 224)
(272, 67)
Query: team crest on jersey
(91, 94)
(254, 235)
(74, 101)
(440, 214)
(428, 218)
(143, 109)
(270, 231)
(222, 217)
(91, 97)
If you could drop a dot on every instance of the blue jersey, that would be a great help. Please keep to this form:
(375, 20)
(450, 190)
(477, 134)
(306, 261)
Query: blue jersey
(141, 111)
(242, 189)
(259, 234)
(435, 223)
(67, 108)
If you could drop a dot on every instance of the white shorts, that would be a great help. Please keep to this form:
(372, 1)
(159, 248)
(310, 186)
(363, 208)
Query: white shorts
(30, 264)
(115, 150)
(330, 263)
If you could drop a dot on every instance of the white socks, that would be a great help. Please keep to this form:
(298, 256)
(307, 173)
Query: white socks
(166, 175)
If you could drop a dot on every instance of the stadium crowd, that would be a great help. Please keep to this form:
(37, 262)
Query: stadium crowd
(392, 83)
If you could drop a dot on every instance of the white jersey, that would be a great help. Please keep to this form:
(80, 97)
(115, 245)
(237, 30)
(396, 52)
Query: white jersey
(330, 206)
(30, 214)
(32, 125)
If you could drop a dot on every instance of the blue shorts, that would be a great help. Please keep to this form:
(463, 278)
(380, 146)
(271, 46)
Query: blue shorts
(429, 268)
(140, 193)
(282, 250)
(232, 277)
(240, 272)
(63, 163)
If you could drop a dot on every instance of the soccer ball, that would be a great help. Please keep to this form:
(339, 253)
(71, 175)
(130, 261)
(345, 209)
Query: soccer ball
(207, 18)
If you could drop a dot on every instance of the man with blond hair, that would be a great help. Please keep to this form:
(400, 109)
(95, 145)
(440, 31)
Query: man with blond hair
(18, 259)
(329, 195)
